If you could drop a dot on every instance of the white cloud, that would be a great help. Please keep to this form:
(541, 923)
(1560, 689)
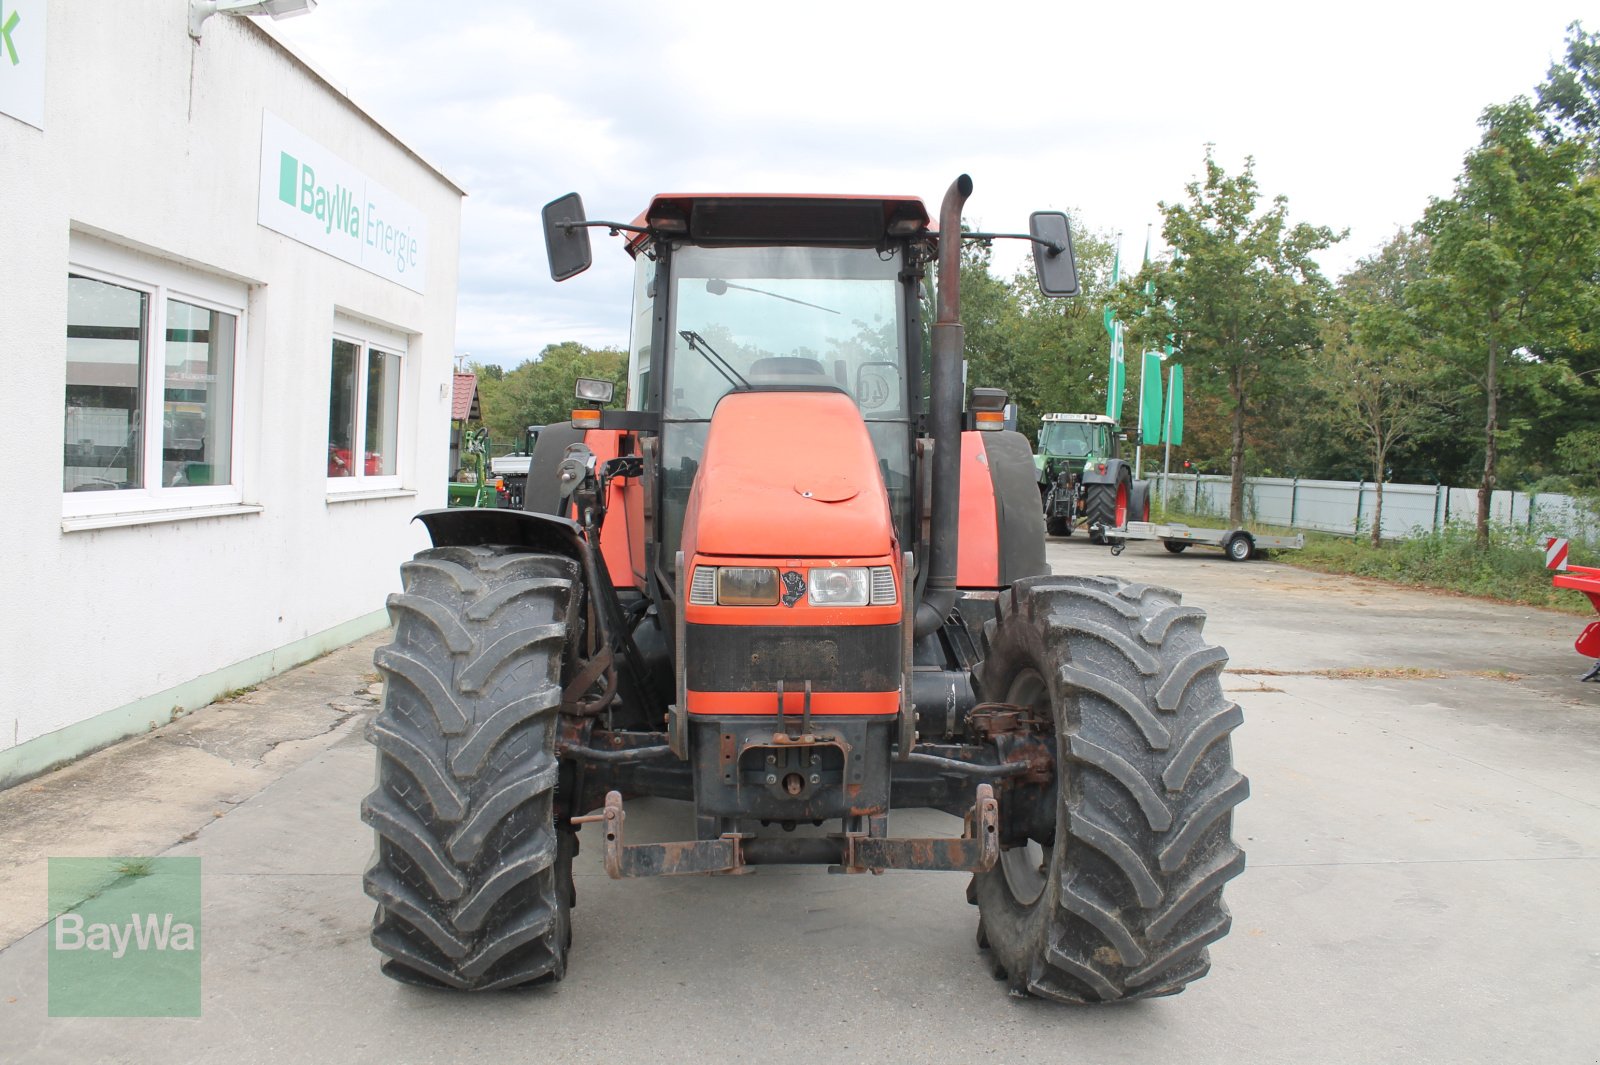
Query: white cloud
(1357, 112)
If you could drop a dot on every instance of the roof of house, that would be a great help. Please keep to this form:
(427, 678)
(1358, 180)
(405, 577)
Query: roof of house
(464, 405)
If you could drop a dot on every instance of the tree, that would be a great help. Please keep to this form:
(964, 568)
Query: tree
(1242, 296)
(1378, 380)
(540, 390)
(1570, 95)
(1513, 260)
(1048, 354)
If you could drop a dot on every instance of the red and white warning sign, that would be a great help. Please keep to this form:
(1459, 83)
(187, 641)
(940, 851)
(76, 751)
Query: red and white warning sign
(1555, 553)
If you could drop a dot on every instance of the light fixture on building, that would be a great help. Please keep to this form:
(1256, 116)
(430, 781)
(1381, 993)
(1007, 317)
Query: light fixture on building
(200, 10)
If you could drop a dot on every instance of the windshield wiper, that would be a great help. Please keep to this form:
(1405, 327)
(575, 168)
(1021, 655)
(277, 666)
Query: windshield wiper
(717, 287)
(698, 343)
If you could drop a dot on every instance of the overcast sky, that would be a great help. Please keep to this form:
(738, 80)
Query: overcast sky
(1358, 112)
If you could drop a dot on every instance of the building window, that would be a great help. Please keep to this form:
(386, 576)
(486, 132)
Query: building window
(152, 357)
(364, 409)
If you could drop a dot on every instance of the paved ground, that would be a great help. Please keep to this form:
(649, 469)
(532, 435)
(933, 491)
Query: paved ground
(1424, 882)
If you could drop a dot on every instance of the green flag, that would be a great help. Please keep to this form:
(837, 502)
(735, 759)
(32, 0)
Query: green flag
(1117, 378)
(1110, 317)
(1117, 375)
(1150, 405)
(1174, 419)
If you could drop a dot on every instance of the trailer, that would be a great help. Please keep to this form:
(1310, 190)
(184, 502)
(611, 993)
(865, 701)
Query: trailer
(1238, 544)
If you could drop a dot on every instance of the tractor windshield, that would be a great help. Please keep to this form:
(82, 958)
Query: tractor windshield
(752, 316)
(1071, 438)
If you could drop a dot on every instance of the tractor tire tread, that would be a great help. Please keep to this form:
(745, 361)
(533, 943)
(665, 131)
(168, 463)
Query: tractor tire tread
(471, 876)
(1133, 899)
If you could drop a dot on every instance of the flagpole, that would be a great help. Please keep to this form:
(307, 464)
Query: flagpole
(1138, 437)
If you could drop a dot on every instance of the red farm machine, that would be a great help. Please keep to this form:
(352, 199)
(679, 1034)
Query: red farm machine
(798, 582)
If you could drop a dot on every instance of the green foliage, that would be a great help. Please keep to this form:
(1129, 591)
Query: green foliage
(1512, 269)
(1510, 569)
(1242, 295)
(540, 390)
(1048, 354)
(1377, 384)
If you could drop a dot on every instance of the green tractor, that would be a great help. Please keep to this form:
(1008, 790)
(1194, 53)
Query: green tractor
(480, 490)
(1083, 478)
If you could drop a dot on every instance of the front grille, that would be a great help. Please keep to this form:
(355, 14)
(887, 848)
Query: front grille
(756, 658)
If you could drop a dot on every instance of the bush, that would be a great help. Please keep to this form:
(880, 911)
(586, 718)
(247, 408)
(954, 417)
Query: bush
(1511, 569)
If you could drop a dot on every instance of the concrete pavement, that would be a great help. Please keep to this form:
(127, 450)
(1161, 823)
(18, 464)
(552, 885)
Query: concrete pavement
(1423, 882)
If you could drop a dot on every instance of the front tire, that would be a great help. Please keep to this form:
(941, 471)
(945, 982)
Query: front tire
(1122, 896)
(472, 877)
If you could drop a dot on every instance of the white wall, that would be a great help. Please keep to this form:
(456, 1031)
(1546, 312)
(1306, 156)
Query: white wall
(154, 141)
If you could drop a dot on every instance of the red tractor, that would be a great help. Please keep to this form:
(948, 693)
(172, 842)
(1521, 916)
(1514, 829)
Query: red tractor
(796, 585)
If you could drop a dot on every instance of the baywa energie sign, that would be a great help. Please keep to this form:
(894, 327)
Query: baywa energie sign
(312, 195)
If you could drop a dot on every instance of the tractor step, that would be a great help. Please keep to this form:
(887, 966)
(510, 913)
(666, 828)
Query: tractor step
(976, 850)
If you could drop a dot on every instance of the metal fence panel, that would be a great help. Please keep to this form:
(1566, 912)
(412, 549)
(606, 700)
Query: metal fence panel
(1348, 507)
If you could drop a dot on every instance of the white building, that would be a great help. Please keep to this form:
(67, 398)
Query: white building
(227, 308)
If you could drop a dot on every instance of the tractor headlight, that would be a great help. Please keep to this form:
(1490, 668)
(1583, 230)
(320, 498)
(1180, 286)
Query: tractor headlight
(844, 586)
(747, 586)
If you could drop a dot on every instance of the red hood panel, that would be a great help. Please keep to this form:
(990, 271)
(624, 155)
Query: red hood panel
(788, 474)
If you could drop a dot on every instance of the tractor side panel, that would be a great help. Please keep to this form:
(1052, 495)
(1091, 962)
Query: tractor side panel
(615, 549)
(978, 548)
(1019, 521)
(1002, 527)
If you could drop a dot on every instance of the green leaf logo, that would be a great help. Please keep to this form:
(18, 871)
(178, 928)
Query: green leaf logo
(7, 27)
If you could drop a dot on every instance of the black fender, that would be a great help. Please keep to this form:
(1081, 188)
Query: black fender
(474, 527)
(542, 492)
(1139, 501)
(1116, 469)
(1019, 523)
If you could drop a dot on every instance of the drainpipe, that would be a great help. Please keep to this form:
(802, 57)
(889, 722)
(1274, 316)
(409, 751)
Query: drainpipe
(944, 418)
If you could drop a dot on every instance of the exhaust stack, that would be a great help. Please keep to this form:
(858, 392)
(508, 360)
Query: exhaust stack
(944, 417)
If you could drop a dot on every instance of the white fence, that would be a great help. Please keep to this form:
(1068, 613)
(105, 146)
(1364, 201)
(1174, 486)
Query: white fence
(1347, 506)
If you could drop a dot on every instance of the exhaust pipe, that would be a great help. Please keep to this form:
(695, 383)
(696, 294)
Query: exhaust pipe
(944, 418)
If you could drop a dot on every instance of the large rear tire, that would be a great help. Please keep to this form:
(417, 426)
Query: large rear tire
(1122, 898)
(1106, 505)
(472, 878)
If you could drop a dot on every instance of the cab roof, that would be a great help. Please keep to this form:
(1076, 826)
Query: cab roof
(782, 218)
(1093, 419)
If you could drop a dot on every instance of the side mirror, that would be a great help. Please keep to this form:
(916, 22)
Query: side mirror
(566, 238)
(1052, 253)
(593, 390)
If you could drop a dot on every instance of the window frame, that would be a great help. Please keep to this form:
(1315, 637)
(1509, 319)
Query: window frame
(367, 337)
(161, 280)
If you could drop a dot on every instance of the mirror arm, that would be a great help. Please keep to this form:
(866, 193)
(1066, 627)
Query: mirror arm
(1054, 247)
(614, 227)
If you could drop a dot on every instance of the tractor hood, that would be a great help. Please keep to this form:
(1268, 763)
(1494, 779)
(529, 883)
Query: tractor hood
(789, 474)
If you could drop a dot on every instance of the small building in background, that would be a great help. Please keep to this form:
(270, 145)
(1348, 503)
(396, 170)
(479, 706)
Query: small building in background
(230, 311)
(464, 410)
